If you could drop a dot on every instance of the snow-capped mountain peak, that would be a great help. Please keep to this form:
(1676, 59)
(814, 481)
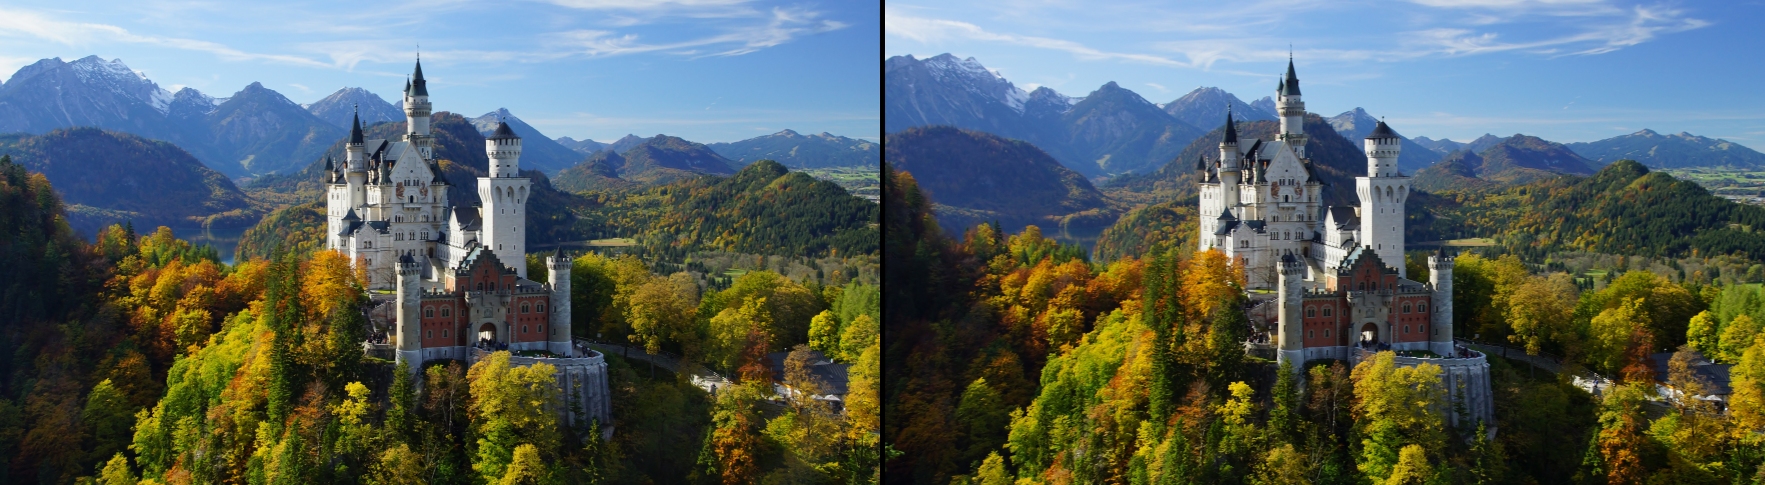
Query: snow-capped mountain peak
(118, 77)
(976, 78)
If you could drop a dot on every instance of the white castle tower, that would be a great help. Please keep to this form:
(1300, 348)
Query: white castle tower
(416, 111)
(1292, 111)
(1440, 277)
(558, 276)
(409, 326)
(504, 194)
(1382, 192)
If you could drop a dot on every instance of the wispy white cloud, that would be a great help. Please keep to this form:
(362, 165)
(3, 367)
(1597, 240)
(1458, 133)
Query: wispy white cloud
(22, 23)
(932, 30)
(1159, 87)
(783, 25)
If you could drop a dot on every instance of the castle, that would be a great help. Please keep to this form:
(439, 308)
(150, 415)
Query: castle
(1341, 289)
(460, 273)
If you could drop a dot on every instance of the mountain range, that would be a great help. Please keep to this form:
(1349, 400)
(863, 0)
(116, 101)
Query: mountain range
(796, 150)
(1682, 150)
(1513, 160)
(1355, 124)
(255, 131)
(1335, 159)
(975, 177)
(1206, 107)
(1108, 132)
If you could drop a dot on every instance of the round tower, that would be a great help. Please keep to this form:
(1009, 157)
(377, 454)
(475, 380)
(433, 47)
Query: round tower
(1440, 306)
(504, 149)
(1382, 194)
(558, 276)
(409, 325)
(1291, 108)
(1291, 297)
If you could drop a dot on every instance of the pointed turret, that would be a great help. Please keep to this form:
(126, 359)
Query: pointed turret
(421, 88)
(329, 167)
(355, 128)
(1290, 86)
(1231, 128)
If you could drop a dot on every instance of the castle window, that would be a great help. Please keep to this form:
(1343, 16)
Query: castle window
(524, 308)
(481, 286)
(1422, 307)
(523, 329)
(541, 308)
(1406, 329)
(1326, 311)
(444, 311)
(1406, 308)
(1244, 244)
(428, 312)
(1309, 334)
(428, 333)
(541, 328)
(1311, 312)
(1326, 333)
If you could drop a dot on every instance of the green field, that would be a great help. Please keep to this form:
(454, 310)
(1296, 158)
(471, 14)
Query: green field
(1747, 187)
(862, 182)
(618, 242)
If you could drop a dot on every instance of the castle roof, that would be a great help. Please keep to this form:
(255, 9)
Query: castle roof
(1290, 86)
(1381, 131)
(467, 217)
(1231, 128)
(418, 86)
(503, 132)
(355, 129)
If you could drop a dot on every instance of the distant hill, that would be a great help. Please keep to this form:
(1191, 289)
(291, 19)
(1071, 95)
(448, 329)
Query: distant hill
(1205, 107)
(1622, 209)
(795, 150)
(299, 229)
(1518, 159)
(1150, 229)
(977, 177)
(341, 107)
(108, 177)
(1683, 150)
(1355, 124)
(626, 143)
(1442, 145)
(584, 146)
(764, 209)
(1335, 159)
(1482, 143)
(538, 152)
(660, 159)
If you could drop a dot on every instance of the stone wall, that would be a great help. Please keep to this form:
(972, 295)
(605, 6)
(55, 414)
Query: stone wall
(582, 382)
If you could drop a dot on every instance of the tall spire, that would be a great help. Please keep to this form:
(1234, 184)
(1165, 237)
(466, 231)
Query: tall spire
(1291, 85)
(355, 127)
(419, 87)
(1231, 128)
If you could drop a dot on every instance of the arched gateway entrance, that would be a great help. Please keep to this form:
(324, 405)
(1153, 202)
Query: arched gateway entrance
(1369, 334)
(487, 332)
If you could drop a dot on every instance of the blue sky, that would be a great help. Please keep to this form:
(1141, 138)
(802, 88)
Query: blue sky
(705, 70)
(1565, 70)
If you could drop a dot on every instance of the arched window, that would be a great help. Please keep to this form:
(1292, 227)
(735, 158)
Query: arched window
(444, 311)
(523, 329)
(481, 286)
(524, 308)
(1326, 333)
(541, 308)
(1327, 311)
(1311, 312)
(428, 334)
(1406, 329)
(444, 333)
(428, 312)
(1422, 307)
(1309, 334)
(1406, 308)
